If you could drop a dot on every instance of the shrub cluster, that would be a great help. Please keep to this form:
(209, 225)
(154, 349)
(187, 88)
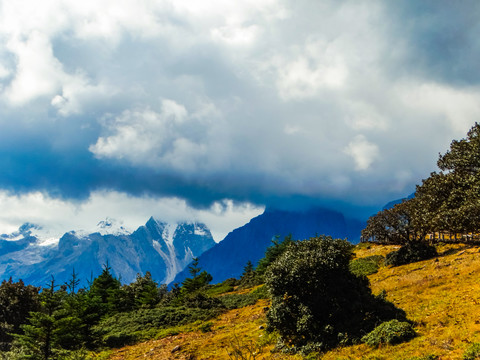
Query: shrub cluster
(236, 301)
(317, 303)
(127, 328)
(367, 265)
(390, 332)
(412, 251)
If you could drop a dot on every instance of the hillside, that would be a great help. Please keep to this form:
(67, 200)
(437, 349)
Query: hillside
(442, 296)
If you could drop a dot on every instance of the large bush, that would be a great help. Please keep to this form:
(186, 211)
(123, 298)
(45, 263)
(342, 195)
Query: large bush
(412, 251)
(316, 301)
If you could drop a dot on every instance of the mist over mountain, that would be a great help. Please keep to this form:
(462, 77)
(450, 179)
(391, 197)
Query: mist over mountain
(249, 242)
(159, 247)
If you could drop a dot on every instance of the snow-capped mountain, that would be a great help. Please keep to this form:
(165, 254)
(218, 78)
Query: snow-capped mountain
(161, 248)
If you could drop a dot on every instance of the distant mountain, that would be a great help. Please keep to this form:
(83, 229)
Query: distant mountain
(249, 242)
(391, 204)
(161, 248)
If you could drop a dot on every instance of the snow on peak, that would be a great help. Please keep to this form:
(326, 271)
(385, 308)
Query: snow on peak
(111, 226)
(200, 230)
(168, 233)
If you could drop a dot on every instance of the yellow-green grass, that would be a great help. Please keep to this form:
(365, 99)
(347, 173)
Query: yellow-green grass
(442, 297)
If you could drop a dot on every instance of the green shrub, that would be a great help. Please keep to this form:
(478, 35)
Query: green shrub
(206, 327)
(412, 251)
(201, 301)
(236, 301)
(126, 328)
(390, 332)
(472, 352)
(260, 292)
(367, 265)
(221, 288)
(317, 303)
(425, 357)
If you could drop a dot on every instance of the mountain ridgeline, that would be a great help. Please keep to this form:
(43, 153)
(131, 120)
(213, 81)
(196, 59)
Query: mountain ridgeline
(160, 248)
(249, 242)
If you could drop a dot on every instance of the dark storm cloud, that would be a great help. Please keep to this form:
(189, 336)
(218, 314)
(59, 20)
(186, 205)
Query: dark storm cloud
(440, 39)
(281, 102)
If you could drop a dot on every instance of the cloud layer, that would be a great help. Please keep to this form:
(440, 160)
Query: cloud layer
(265, 102)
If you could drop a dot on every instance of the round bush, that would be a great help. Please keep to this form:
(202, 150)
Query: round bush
(412, 251)
(317, 301)
(390, 332)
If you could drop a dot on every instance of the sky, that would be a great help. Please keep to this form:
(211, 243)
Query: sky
(214, 110)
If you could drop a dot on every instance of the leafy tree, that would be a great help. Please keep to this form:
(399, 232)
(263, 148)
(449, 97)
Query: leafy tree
(445, 202)
(17, 300)
(390, 225)
(317, 303)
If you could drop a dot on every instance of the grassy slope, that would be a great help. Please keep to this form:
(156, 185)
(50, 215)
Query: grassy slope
(442, 296)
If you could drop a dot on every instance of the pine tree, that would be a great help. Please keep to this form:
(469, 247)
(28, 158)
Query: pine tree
(17, 300)
(43, 333)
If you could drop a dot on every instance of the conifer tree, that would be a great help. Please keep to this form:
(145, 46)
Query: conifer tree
(17, 300)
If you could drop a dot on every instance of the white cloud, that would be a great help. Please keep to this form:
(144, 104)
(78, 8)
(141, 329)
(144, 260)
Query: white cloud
(362, 151)
(459, 107)
(38, 71)
(146, 137)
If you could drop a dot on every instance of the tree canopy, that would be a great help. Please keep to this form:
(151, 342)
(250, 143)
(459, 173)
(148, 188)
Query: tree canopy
(447, 202)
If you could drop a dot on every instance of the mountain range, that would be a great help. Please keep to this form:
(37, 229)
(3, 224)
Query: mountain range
(161, 248)
(249, 242)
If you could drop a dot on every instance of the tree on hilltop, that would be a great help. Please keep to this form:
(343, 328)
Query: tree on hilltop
(445, 202)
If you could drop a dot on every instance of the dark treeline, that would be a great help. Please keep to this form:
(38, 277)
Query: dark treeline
(61, 321)
(40, 321)
(446, 206)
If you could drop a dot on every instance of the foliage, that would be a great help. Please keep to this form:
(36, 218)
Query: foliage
(472, 352)
(250, 277)
(412, 251)
(206, 327)
(50, 329)
(367, 265)
(17, 300)
(272, 253)
(105, 290)
(235, 301)
(143, 292)
(317, 301)
(201, 301)
(224, 287)
(127, 328)
(390, 332)
(199, 279)
(446, 202)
